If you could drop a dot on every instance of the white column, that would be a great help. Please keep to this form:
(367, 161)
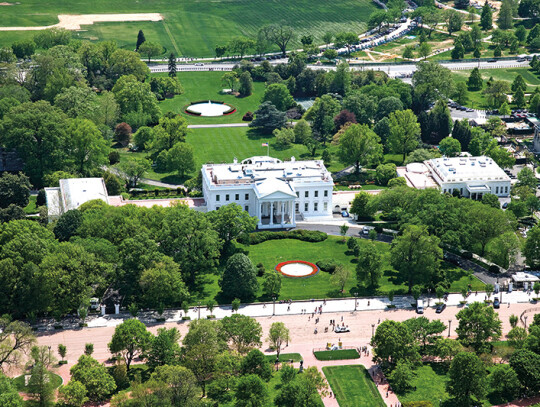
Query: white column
(291, 212)
(272, 212)
(259, 212)
(282, 206)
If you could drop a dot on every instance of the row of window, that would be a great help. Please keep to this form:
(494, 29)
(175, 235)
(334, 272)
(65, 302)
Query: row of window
(315, 194)
(502, 190)
(236, 197)
(315, 206)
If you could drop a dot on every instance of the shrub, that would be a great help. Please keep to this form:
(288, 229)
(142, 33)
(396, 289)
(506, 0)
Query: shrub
(41, 198)
(248, 117)
(326, 265)
(425, 403)
(299, 234)
(467, 255)
(114, 157)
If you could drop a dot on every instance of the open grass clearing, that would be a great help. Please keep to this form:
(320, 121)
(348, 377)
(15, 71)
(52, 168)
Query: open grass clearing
(205, 86)
(339, 354)
(195, 27)
(353, 386)
(20, 386)
(285, 357)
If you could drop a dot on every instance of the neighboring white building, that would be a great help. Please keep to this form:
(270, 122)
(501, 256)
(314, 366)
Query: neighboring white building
(471, 176)
(273, 191)
(72, 193)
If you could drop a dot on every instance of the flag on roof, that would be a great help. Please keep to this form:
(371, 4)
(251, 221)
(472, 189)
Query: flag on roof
(264, 144)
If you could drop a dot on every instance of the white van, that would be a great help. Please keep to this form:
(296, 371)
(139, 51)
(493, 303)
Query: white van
(419, 306)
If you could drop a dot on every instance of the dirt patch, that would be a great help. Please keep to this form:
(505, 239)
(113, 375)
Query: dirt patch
(74, 21)
(6, 4)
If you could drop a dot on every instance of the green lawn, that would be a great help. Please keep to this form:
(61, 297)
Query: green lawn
(193, 28)
(284, 357)
(478, 100)
(339, 354)
(31, 207)
(272, 252)
(353, 387)
(207, 85)
(19, 382)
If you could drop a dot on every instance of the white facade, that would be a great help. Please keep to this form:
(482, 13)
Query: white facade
(72, 193)
(273, 191)
(471, 176)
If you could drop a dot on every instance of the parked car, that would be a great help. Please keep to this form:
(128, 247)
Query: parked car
(419, 306)
(492, 60)
(341, 329)
(199, 64)
(496, 303)
(440, 308)
(345, 214)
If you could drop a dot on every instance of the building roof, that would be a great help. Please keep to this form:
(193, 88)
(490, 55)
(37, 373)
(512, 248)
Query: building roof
(522, 277)
(459, 169)
(253, 170)
(76, 191)
(273, 186)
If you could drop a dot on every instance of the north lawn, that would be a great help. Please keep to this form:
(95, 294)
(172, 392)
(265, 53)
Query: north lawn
(205, 86)
(353, 386)
(192, 29)
(272, 252)
(478, 101)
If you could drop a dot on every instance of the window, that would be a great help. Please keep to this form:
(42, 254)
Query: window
(237, 197)
(496, 190)
(306, 194)
(246, 208)
(246, 197)
(227, 197)
(316, 194)
(217, 198)
(325, 206)
(316, 206)
(297, 194)
(326, 193)
(297, 207)
(306, 207)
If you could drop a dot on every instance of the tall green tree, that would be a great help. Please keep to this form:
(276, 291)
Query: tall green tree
(129, 340)
(172, 65)
(231, 221)
(486, 18)
(393, 342)
(404, 132)
(504, 20)
(467, 378)
(369, 266)
(277, 336)
(140, 39)
(87, 149)
(359, 145)
(416, 255)
(243, 332)
(239, 279)
(478, 324)
(14, 190)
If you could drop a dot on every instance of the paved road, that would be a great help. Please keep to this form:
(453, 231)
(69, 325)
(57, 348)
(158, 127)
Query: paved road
(391, 69)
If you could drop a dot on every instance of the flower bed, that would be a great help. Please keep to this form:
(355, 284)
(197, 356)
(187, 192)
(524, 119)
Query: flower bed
(303, 269)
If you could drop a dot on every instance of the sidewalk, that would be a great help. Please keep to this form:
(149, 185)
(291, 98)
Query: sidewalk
(295, 308)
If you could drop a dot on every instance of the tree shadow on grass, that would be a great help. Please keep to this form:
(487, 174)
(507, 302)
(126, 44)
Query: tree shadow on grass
(394, 277)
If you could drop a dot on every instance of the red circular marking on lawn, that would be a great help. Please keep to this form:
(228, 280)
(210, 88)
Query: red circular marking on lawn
(314, 268)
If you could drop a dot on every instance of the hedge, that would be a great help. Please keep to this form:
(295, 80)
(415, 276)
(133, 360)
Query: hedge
(299, 234)
(326, 265)
(424, 403)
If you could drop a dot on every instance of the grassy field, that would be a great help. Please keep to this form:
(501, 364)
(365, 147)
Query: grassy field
(31, 207)
(339, 354)
(478, 100)
(194, 28)
(272, 252)
(352, 386)
(284, 357)
(19, 382)
(207, 85)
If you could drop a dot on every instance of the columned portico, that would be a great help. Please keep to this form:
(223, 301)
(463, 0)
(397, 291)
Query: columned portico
(276, 213)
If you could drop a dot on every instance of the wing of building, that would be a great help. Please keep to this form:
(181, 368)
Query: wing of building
(472, 177)
(274, 191)
(72, 193)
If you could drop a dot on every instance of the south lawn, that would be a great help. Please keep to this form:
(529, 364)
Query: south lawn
(352, 386)
(205, 86)
(272, 252)
(192, 28)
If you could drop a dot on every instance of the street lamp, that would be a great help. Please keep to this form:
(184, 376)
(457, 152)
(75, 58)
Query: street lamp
(372, 330)
(525, 318)
(199, 310)
(274, 305)
(355, 295)
(449, 327)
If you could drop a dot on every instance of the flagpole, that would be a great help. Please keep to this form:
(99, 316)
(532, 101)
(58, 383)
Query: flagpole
(268, 149)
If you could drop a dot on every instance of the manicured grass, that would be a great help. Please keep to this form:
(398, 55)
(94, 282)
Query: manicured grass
(19, 382)
(207, 85)
(194, 28)
(285, 357)
(339, 354)
(31, 207)
(352, 386)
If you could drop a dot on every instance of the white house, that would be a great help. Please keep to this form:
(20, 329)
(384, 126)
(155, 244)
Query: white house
(471, 176)
(72, 193)
(273, 191)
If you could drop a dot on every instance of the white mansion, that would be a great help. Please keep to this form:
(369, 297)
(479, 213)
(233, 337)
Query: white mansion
(471, 176)
(273, 191)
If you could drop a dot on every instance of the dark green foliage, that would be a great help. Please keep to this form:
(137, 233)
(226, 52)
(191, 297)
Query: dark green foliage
(67, 225)
(256, 363)
(239, 278)
(268, 118)
(299, 234)
(327, 265)
(14, 189)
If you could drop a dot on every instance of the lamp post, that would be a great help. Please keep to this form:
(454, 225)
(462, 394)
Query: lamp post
(199, 310)
(449, 327)
(372, 330)
(355, 295)
(274, 305)
(525, 318)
